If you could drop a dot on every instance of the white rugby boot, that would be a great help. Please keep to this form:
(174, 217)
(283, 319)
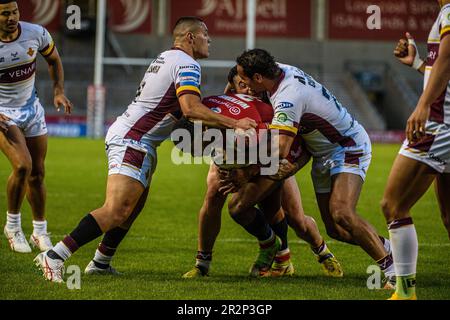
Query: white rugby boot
(42, 242)
(17, 241)
(52, 269)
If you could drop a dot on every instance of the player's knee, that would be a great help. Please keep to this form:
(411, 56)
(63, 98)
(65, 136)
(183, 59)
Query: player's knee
(119, 213)
(22, 169)
(342, 215)
(36, 177)
(299, 224)
(389, 209)
(235, 207)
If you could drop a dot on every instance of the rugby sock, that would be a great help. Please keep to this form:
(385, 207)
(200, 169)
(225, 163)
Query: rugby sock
(281, 230)
(322, 252)
(259, 227)
(85, 232)
(386, 244)
(203, 261)
(405, 248)
(13, 221)
(387, 265)
(39, 228)
(283, 256)
(107, 248)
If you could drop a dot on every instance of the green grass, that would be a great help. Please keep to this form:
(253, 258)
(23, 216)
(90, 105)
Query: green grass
(162, 243)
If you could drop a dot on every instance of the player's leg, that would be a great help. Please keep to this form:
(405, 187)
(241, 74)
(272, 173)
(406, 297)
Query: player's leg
(306, 228)
(209, 225)
(275, 216)
(346, 189)
(408, 181)
(101, 263)
(36, 192)
(14, 146)
(442, 188)
(338, 190)
(242, 209)
(122, 196)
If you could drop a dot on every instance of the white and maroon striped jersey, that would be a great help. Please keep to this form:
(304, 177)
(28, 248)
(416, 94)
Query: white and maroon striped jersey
(18, 64)
(301, 103)
(150, 117)
(440, 110)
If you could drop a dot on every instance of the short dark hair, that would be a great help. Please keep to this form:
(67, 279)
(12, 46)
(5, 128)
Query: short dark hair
(189, 20)
(232, 74)
(259, 61)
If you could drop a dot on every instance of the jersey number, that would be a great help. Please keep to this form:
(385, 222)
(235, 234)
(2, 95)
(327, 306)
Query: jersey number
(325, 92)
(139, 91)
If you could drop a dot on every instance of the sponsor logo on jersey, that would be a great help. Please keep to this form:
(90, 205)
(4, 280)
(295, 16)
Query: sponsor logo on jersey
(282, 117)
(30, 52)
(285, 105)
(192, 66)
(235, 110)
(18, 73)
(216, 110)
(15, 56)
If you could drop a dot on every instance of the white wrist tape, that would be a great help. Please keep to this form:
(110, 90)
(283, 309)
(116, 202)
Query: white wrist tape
(417, 63)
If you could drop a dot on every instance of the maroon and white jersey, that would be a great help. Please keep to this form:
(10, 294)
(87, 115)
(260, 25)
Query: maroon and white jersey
(440, 110)
(18, 64)
(149, 118)
(301, 103)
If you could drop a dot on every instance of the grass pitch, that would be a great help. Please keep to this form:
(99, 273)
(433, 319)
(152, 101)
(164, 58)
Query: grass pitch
(162, 243)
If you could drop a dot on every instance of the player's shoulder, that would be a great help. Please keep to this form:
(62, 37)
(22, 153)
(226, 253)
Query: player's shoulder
(32, 30)
(445, 8)
(180, 58)
(444, 14)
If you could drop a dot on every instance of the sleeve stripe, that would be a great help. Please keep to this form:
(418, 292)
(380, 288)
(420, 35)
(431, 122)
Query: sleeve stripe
(284, 128)
(182, 93)
(190, 74)
(188, 84)
(188, 88)
(443, 30)
(48, 50)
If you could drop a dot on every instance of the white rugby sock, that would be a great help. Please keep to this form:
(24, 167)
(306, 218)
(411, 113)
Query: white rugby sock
(61, 250)
(40, 228)
(102, 258)
(13, 222)
(405, 246)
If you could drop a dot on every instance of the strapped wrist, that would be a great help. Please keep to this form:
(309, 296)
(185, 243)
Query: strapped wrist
(417, 63)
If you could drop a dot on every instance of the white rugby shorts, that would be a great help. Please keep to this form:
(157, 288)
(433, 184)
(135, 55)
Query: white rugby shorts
(433, 149)
(30, 119)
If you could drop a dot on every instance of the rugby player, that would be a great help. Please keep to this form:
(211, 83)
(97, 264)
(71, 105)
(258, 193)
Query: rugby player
(210, 213)
(340, 147)
(23, 131)
(170, 85)
(425, 154)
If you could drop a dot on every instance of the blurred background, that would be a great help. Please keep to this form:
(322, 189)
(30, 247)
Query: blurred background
(327, 38)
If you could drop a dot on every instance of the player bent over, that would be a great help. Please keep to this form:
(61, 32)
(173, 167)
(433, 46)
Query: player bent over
(424, 156)
(171, 84)
(340, 147)
(23, 131)
(210, 213)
